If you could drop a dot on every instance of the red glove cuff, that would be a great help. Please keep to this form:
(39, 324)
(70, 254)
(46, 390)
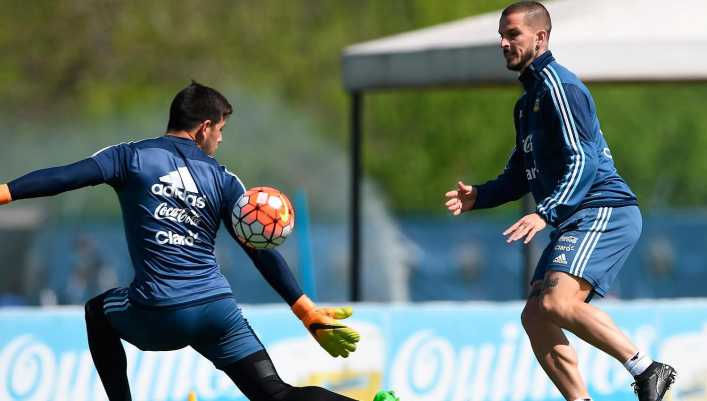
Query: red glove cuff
(5, 196)
(302, 307)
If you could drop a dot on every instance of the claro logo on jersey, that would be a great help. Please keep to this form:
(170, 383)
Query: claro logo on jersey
(180, 185)
(168, 237)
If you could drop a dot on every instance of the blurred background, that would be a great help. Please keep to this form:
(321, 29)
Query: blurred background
(77, 76)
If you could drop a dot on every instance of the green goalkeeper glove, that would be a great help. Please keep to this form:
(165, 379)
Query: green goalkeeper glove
(386, 396)
(336, 338)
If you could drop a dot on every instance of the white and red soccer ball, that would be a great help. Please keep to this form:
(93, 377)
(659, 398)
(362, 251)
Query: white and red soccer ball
(263, 217)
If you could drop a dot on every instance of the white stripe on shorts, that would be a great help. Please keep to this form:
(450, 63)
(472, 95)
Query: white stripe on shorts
(596, 241)
(116, 308)
(115, 303)
(574, 268)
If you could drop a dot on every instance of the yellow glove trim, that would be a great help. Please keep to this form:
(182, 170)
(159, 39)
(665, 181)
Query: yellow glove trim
(5, 195)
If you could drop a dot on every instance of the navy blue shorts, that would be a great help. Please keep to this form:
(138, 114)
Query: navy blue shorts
(216, 329)
(592, 244)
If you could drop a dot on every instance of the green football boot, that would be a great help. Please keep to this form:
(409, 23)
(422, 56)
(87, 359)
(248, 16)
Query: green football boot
(385, 396)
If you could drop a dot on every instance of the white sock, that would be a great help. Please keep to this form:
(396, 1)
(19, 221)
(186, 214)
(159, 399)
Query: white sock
(638, 363)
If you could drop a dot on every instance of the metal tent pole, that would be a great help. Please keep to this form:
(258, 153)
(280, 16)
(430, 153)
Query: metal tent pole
(356, 139)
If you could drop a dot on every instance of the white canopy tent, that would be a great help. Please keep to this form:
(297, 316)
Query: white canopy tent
(600, 40)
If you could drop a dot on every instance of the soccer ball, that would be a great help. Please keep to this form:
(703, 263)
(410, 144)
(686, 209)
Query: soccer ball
(263, 217)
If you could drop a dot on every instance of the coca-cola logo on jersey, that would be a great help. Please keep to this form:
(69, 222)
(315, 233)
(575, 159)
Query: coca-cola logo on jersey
(176, 214)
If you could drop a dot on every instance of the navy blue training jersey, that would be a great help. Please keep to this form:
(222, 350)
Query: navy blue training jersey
(173, 197)
(560, 153)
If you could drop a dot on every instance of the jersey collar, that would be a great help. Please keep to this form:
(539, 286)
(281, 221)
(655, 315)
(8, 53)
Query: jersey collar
(533, 73)
(187, 141)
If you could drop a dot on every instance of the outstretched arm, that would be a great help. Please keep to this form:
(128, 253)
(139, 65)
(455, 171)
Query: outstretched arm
(52, 181)
(274, 268)
(337, 339)
(510, 185)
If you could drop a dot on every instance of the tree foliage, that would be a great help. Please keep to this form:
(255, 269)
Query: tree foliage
(76, 60)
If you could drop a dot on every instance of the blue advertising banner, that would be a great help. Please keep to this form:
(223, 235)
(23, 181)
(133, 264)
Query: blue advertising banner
(425, 352)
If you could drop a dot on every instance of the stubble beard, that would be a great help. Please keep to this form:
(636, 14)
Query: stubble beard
(526, 59)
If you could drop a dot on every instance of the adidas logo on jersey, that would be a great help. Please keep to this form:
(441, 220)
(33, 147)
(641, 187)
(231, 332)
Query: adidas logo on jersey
(561, 259)
(180, 178)
(180, 185)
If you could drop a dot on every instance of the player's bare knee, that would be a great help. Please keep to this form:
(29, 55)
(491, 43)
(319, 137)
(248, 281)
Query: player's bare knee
(530, 316)
(525, 317)
(548, 306)
(553, 308)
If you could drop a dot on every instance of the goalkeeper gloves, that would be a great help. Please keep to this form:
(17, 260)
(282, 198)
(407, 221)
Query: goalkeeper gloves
(5, 196)
(336, 338)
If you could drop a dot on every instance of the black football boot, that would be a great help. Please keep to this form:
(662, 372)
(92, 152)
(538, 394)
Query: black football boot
(654, 382)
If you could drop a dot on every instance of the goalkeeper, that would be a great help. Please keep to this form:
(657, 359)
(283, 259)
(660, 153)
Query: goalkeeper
(173, 197)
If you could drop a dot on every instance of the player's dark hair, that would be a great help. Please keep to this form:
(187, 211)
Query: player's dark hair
(535, 13)
(194, 104)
